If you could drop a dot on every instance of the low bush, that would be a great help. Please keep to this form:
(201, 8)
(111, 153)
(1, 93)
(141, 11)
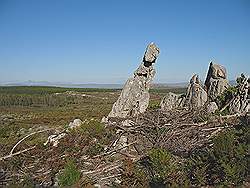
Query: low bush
(70, 174)
(225, 163)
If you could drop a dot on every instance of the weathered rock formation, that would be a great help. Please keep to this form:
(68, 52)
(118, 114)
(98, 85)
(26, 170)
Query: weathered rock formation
(240, 103)
(196, 95)
(134, 98)
(171, 101)
(216, 81)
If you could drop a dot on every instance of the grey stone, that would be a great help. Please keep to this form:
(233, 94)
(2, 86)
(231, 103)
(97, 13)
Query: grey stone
(54, 139)
(240, 103)
(134, 98)
(171, 101)
(216, 82)
(151, 53)
(75, 123)
(211, 107)
(104, 120)
(196, 95)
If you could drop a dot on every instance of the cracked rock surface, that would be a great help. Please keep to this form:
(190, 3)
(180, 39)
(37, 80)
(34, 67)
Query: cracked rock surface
(134, 98)
(216, 82)
(240, 103)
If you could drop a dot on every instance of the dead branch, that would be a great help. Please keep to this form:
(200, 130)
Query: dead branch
(17, 153)
(214, 133)
(227, 105)
(229, 116)
(27, 137)
(113, 176)
(213, 128)
(100, 170)
(203, 123)
(113, 151)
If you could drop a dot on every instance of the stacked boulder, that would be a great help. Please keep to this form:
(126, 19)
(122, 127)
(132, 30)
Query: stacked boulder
(134, 98)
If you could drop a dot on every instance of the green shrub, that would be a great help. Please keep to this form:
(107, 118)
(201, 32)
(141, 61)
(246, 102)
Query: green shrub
(162, 164)
(95, 149)
(154, 104)
(225, 163)
(93, 128)
(70, 174)
(231, 156)
(226, 96)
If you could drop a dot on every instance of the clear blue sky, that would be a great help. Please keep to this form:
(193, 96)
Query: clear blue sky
(103, 41)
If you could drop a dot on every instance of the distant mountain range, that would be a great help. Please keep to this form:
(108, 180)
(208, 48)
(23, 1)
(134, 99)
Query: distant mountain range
(92, 85)
(61, 84)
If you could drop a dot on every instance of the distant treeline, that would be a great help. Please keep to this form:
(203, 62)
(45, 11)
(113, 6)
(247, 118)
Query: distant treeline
(177, 90)
(36, 100)
(46, 96)
(41, 96)
(46, 90)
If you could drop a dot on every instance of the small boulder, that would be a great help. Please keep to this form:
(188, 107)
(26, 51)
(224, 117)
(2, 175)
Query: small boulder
(211, 107)
(54, 139)
(75, 123)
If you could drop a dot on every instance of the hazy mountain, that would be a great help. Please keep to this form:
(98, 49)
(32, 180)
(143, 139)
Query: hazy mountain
(92, 85)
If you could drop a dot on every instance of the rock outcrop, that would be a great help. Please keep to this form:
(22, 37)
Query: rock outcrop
(171, 101)
(196, 95)
(216, 81)
(240, 103)
(134, 98)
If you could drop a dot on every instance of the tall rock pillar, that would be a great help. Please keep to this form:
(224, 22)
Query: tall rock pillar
(134, 98)
(216, 81)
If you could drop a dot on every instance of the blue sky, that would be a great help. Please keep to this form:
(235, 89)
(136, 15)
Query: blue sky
(103, 41)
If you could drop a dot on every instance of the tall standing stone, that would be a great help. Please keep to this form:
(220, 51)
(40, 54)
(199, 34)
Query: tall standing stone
(216, 82)
(196, 95)
(134, 98)
(240, 103)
